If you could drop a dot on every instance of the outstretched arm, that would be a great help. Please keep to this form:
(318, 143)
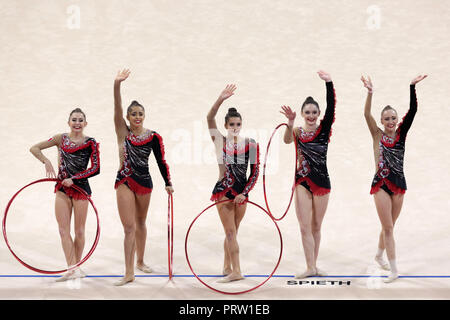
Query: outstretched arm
(119, 121)
(371, 123)
(36, 150)
(211, 117)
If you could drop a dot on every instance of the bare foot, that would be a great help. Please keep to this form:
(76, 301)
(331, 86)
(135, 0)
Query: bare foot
(383, 264)
(144, 268)
(306, 274)
(231, 277)
(124, 281)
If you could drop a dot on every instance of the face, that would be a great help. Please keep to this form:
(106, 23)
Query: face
(136, 116)
(310, 114)
(77, 122)
(233, 126)
(389, 120)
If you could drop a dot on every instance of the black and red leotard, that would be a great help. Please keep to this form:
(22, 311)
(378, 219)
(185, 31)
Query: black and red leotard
(390, 173)
(236, 160)
(312, 147)
(73, 161)
(134, 171)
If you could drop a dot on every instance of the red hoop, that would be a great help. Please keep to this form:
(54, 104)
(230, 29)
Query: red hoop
(237, 292)
(170, 235)
(264, 174)
(50, 271)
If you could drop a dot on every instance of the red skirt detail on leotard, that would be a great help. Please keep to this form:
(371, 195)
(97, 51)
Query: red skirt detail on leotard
(315, 189)
(389, 184)
(134, 186)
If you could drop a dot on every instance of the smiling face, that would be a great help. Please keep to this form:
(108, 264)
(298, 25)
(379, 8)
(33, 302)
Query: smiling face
(136, 116)
(310, 114)
(77, 122)
(389, 120)
(233, 126)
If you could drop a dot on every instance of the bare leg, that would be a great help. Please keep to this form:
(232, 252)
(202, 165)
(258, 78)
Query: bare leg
(142, 204)
(127, 208)
(63, 213)
(320, 204)
(383, 203)
(80, 208)
(227, 215)
(303, 207)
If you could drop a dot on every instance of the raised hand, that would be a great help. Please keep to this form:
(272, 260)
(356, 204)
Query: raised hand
(227, 92)
(324, 75)
(418, 78)
(287, 111)
(122, 75)
(367, 83)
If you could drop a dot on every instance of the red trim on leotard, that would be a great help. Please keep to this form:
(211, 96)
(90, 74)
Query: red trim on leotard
(142, 142)
(218, 196)
(315, 189)
(163, 156)
(133, 185)
(74, 194)
(395, 189)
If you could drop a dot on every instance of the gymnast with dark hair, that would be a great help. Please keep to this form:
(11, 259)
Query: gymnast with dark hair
(75, 150)
(389, 184)
(234, 155)
(312, 182)
(133, 182)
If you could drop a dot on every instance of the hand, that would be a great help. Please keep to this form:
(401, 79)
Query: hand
(227, 92)
(287, 111)
(67, 183)
(122, 75)
(418, 79)
(324, 76)
(50, 172)
(367, 83)
(169, 189)
(240, 199)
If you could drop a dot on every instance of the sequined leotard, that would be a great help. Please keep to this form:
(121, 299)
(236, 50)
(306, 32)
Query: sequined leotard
(134, 171)
(312, 150)
(392, 151)
(236, 160)
(73, 161)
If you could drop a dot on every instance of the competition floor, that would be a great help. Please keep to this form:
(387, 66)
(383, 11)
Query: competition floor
(56, 56)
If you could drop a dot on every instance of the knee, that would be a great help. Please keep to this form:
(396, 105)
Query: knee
(388, 230)
(230, 235)
(129, 229)
(64, 232)
(140, 223)
(79, 233)
(306, 230)
(316, 230)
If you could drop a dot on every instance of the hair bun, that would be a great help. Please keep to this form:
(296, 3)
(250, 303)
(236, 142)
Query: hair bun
(309, 100)
(232, 110)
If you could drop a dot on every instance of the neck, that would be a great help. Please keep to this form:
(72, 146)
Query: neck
(232, 138)
(308, 127)
(136, 130)
(76, 135)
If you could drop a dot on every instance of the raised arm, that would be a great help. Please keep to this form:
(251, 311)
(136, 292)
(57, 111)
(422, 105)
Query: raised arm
(328, 118)
(371, 123)
(36, 151)
(211, 117)
(119, 121)
(290, 115)
(409, 117)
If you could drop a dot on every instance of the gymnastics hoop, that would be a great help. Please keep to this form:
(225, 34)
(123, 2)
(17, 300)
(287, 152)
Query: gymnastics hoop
(264, 174)
(236, 292)
(170, 235)
(91, 251)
